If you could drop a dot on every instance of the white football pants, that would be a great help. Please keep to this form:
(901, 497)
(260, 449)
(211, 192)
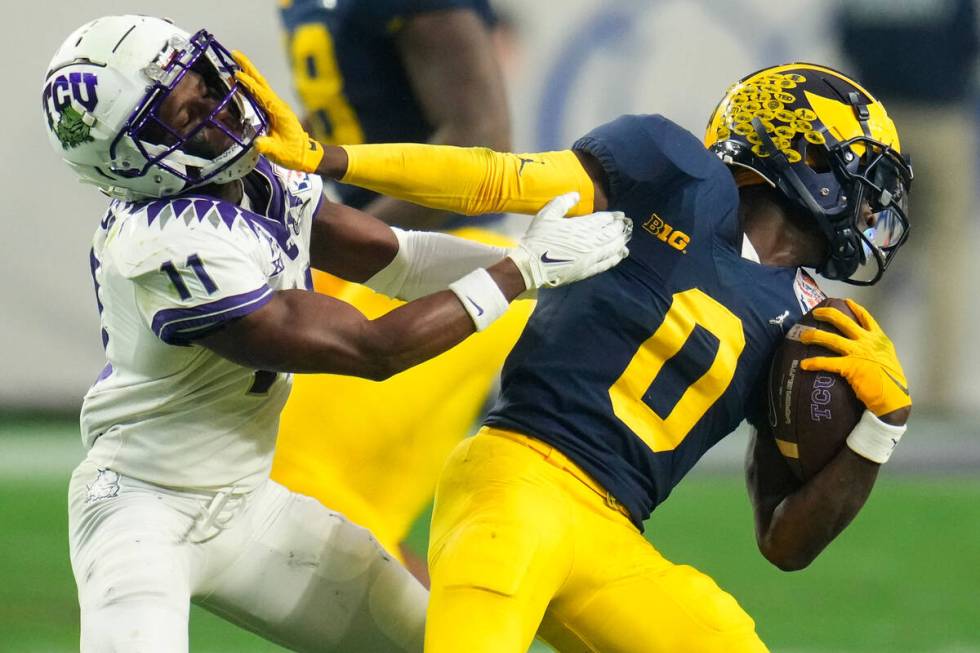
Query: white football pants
(272, 561)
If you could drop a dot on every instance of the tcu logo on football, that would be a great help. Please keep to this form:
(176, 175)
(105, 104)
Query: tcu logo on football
(820, 397)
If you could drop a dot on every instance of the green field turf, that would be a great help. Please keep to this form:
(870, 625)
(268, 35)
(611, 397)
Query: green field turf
(903, 578)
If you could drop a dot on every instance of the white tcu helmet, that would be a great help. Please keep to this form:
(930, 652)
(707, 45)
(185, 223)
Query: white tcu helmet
(101, 101)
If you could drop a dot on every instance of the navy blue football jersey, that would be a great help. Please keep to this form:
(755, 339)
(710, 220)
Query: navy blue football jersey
(349, 75)
(635, 373)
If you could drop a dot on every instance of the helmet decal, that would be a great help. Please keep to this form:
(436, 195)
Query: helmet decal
(767, 99)
(828, 145)
(68, 101)
(72, 129)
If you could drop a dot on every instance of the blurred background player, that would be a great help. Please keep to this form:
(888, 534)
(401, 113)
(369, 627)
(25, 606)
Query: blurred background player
(620, 384)
(394, 71)
(920, 57)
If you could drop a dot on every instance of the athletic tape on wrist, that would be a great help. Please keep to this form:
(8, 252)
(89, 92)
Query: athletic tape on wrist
(873, 439)
(481, 297)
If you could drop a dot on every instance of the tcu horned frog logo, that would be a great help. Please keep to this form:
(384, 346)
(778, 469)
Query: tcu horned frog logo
(68, 101)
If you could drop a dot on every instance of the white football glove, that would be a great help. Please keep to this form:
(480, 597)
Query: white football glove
(556, 250)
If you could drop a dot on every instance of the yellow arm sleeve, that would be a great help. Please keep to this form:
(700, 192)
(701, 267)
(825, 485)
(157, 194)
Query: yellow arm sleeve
(469, 180)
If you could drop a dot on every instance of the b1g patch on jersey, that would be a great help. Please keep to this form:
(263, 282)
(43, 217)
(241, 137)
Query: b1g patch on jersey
(808, 293)
(656, 226)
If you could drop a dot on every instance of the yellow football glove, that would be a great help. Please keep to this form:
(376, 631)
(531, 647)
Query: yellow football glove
(867, 358)
(287, 143)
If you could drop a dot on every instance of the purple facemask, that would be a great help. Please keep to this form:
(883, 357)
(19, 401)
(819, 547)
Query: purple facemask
(163, 147)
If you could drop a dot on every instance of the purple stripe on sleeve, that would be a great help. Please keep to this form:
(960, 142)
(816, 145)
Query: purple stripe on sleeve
(180, 326)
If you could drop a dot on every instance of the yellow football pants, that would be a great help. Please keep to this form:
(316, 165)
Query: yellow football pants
(372, 451)
(521, 538)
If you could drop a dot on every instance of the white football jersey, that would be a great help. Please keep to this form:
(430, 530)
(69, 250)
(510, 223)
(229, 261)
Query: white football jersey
(167, 272)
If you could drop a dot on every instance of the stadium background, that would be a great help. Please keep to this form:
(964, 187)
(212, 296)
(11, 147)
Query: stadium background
(902, 578)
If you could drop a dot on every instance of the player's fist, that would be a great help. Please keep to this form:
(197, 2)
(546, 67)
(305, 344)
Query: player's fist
(867, 358)
(286, 142)
(556, 250)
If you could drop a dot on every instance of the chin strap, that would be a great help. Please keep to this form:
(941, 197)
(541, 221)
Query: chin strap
(781, 163)
(861, 111)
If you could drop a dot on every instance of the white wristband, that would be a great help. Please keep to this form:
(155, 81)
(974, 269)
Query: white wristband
(481, 297)
(873, 439)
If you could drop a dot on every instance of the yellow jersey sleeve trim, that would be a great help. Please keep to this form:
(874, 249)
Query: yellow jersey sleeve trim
(469, 180)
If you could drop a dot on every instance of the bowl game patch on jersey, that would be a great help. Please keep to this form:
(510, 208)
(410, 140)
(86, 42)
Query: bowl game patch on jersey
(807, 291)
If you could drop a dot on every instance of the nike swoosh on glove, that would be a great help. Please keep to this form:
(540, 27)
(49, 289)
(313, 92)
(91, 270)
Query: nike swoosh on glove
(556, 250)
(867, 358)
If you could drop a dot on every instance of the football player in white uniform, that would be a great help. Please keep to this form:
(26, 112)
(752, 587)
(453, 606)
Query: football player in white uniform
(202, 270)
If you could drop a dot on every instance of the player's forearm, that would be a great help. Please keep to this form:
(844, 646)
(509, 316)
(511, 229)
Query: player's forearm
(393, 211)
(438, 322)
(485, 132)
(804, 522)
(462, 180)
(304, 332)
(426, 327)
(428, 262)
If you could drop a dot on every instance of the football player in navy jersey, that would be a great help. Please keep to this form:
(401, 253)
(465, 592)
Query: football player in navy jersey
(379, 71)
(620, 384)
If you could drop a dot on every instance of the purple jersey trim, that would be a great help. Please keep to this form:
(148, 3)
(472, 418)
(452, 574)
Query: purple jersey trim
(94, 263)
(105, 373)
(272, 218)
(316, 207)
(309, 269)
(180, 326)
(277, 206)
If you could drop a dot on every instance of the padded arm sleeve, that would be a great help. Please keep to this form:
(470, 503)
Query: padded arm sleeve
(469, 180)
(428, 262)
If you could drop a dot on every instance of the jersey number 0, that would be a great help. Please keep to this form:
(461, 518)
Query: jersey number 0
(688, 309)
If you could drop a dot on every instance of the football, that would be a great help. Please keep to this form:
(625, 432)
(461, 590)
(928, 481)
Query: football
(811, 413)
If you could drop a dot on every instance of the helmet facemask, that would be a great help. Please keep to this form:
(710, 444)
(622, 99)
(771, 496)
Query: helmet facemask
(857, 192)
(187, 156)
(879, 179)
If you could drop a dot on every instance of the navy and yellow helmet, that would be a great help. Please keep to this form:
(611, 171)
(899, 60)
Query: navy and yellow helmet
(829, 146)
